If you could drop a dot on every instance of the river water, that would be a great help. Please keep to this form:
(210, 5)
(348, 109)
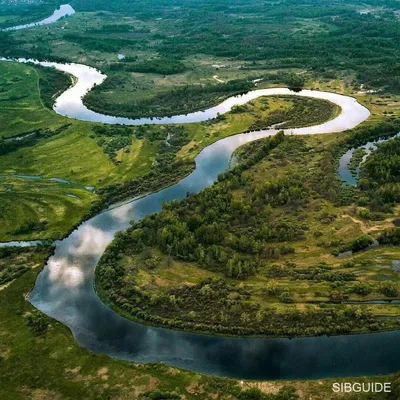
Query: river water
(64, 289)
(69, 103)
(64, 11)
(344, 162)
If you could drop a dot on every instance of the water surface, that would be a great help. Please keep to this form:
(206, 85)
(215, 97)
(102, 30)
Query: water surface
(64, 289)
(63, 11)
(344, 162)
(70, 103)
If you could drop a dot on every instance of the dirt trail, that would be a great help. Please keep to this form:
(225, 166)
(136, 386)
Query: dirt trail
(387, 223)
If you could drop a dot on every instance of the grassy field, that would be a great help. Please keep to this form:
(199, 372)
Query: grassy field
(248, 45)
(21, 107)
(308, 269)
(67, 150)
(70, 150)
(50, 365)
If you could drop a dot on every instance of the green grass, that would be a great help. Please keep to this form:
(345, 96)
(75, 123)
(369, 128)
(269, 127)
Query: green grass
(73, 154)
(53, 366)
(21, 108)
(45, 201)
(328, 227)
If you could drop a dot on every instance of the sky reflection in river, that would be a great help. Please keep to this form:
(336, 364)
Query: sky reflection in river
(99, 329)
(64, 289)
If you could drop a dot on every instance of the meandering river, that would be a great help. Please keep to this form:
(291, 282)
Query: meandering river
(64, 11)
(64, 289)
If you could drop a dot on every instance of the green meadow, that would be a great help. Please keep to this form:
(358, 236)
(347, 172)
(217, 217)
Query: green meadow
(43, 361)
(71, 150)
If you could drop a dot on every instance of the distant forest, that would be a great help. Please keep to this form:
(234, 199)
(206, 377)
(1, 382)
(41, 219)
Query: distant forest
(358, 36)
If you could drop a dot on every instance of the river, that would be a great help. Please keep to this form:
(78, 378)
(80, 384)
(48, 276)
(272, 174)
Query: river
(344, 172)
(64, 11)
(64, 289)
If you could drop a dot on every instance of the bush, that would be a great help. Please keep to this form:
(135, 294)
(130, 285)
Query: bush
(390, 236)
(286, 297)
(252, 394)
(361, 242)
(349, 264)
(37, 322)
(389, 289)
(159, 395)
(362, 289)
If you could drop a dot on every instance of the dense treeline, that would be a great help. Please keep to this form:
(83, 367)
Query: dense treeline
(28, 139)
(30, 226)
(163, 66)
(52, 83)
(380, 176)
(180, 100)
(214, 305)
(91, 43)
(200, 229)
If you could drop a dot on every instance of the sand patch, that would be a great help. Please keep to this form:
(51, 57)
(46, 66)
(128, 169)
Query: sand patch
(102, 371)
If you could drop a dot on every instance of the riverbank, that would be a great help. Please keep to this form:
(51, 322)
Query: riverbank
(166, 288)
(118, 168)
(55, 366)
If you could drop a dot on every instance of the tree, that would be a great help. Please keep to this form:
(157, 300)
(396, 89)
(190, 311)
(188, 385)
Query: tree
(361, 242)
(389, 289)
(38, 322)
(245, 318)
(286, 297)
(272, 287)
(294, 82)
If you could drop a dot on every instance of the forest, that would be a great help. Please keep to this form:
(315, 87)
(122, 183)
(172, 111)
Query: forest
(319, 41)
(180, 100)
(245, 227)
(380, 176)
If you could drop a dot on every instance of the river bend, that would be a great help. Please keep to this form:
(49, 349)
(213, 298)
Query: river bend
(64, 289)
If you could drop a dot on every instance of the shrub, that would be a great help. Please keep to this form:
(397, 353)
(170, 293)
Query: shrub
(37, 322)
(361, 288)
(159, 395)
(286, 297)
(361, 242)
(389, 289)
